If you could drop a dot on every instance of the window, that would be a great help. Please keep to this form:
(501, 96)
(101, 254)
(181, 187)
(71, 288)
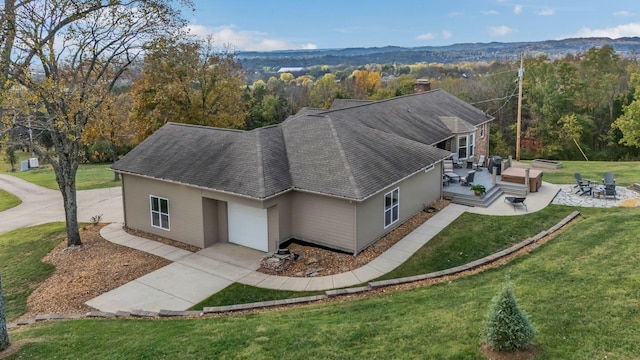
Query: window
(159, 212)
(462, 147)
(391, 207)
(465, 146)
(482, 130)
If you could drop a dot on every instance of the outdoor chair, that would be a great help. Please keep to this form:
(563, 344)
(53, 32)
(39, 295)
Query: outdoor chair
(584, 186)
(448, 170)
(477, 165)
(468, 180)
(445, 180)
(457, 163)
(516, 201)
(608, 179)
(610, 190)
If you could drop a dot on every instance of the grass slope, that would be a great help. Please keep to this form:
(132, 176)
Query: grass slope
(8, 200)
(89, 176)
(581, 290)
(22, 270)
(469, 238)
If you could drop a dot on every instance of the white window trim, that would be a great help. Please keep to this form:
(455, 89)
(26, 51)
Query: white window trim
(483, 129)
(390, 209)
(470, 144)
(159, 212)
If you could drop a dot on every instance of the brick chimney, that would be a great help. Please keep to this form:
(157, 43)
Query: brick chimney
(422, 85)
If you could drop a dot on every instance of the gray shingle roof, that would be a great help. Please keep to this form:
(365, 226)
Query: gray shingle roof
(249, 163)
(351, 153)
(415, 117)
(457, 125)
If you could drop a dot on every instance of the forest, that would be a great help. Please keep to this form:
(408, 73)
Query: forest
(581, 106)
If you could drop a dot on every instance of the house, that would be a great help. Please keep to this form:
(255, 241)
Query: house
(340, 178)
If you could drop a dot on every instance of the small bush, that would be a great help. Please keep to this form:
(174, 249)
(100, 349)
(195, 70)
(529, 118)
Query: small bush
(96, 219)
(507, 327)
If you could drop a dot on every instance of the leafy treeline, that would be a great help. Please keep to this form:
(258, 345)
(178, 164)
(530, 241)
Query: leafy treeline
(571, 105)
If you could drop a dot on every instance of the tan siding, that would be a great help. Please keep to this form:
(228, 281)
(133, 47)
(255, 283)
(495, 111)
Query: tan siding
(284, 215)
(415, 192)
(185, 209)
(273, 227)
(323, 220)
(210, 221)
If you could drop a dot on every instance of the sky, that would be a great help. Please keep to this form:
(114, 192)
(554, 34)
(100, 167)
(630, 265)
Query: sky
(265, 25)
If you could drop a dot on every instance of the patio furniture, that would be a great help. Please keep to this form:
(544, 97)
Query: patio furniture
(478, 165)
(584, 186)
(608, 179)
(448, 170)
(609, 190)
(597, 191)
(469, 163)
(468, 180)
(517, 176)
(445, 180)
(516, 201)
(609, 185)
(457, 163)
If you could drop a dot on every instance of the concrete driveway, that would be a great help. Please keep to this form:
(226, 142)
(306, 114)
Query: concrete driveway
(41, 205)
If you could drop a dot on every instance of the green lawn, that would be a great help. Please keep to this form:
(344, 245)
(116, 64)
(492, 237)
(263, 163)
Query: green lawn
(581, 290)
(89, 176)
(22, 270)
(469, 238)
(8, 200)
(625, 172)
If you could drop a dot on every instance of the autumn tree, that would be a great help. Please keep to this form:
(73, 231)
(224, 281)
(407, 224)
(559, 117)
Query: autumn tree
(365, 83)
(188, 82)
(65, 56)
(324, 91)
(110, 126)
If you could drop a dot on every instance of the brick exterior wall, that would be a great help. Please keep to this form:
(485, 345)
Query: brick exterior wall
(482, 142)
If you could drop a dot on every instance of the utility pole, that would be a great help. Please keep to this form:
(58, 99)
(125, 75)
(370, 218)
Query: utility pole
(519, 120)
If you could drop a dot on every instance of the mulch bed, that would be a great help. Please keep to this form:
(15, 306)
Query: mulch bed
(330, 262)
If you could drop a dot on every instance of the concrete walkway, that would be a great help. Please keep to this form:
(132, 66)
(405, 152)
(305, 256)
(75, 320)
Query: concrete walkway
(195, 276)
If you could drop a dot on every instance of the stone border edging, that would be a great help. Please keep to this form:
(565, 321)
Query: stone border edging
(301, 300)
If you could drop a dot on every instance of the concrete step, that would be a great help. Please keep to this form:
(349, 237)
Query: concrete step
(472, 200)
(512, 188)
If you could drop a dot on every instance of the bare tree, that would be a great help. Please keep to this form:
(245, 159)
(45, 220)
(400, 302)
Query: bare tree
(62, 59)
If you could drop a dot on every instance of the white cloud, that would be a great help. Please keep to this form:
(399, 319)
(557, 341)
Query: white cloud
(427, 36)
(489, 12)
(455, 14)
(517, 9)
(500, 30)
(546, 12)
(625, 30)
(446, 34)
(245, 40)
(623, 13)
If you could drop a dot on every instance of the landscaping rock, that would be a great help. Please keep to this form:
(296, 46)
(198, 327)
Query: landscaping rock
(311, 260)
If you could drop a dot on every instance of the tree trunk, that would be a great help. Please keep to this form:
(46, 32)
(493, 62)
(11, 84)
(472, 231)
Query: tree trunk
(71, 212)
(4, 334)
(65, 169)
(114, 158)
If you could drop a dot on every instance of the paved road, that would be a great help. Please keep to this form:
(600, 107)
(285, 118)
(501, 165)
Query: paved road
(41, 205)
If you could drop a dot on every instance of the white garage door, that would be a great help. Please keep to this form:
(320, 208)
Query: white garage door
(248, 226)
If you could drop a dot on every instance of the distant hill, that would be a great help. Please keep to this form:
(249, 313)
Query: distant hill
(494, 51)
